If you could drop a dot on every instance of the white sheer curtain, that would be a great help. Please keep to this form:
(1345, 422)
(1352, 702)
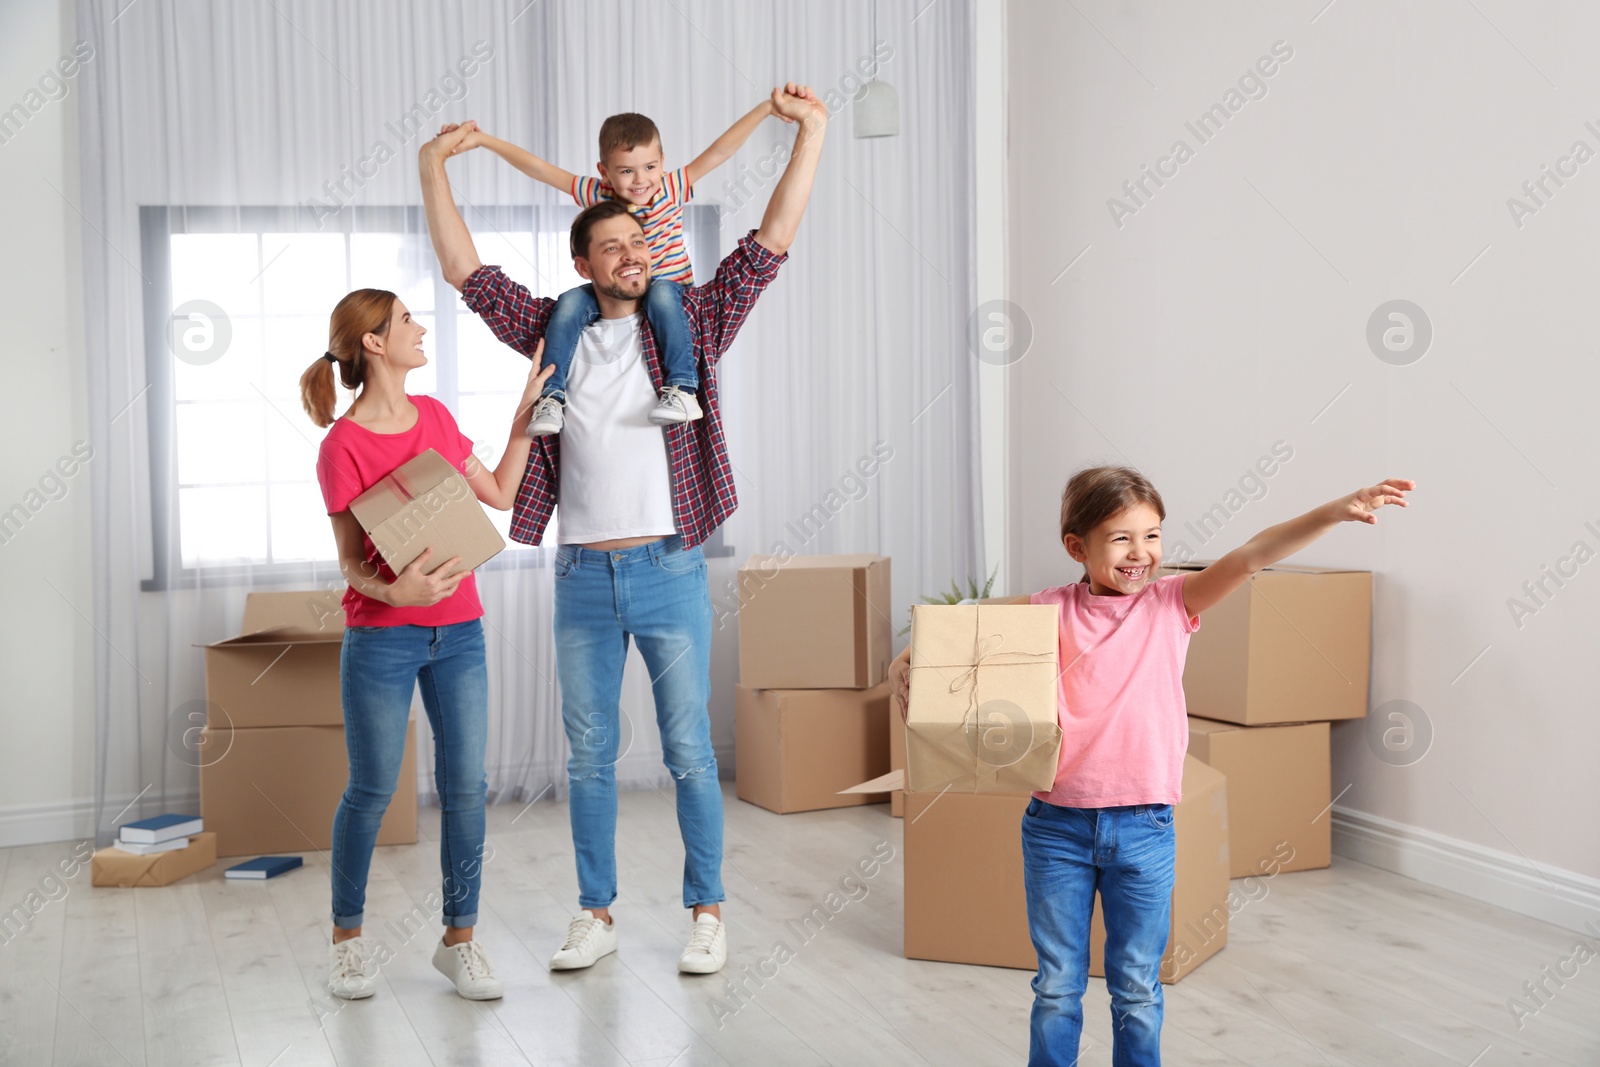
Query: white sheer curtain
(261, 156)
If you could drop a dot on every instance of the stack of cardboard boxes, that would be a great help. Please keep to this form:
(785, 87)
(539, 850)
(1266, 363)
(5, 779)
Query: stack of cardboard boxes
(813, 704)
(272, 755)
(1268, 669)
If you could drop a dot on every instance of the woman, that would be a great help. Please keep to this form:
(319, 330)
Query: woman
(421, 625)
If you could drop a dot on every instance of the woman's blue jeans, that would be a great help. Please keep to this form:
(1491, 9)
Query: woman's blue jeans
(379, 666)
(576, 309)
(656, 595)
(1127, 855)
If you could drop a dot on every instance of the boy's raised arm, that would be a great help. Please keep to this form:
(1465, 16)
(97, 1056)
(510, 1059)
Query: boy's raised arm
(538, 169)
(458, 257)
(726, 145)
(782, 219)
(1205, 589)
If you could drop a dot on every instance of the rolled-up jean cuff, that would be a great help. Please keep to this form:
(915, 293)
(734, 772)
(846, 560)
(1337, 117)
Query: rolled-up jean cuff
(348, 922)
(461, 921)
(681, 383)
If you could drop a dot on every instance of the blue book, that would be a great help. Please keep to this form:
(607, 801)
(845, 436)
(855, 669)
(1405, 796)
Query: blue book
(160, 828)
(263, 867)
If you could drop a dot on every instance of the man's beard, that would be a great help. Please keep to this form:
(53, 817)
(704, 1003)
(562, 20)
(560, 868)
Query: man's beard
(616, 292)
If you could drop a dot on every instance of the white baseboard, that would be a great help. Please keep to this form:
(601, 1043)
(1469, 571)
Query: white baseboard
(73, 820)
(68, 820)
(1505, 880)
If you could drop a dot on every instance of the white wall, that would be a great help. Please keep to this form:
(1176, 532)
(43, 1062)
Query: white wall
(1227, 312)
(46, 655)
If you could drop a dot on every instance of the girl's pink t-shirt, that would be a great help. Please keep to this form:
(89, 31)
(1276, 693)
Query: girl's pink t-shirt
(353, 459)
(1124, 726)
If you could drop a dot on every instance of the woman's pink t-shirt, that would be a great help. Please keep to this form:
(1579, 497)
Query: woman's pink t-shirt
(354, 459)
(1124, 726)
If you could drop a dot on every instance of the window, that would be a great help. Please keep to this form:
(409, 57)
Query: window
(238, 308)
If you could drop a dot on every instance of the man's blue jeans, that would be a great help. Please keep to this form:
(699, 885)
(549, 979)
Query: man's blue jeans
(1127, 854)
(657, 595)
(379, 666)
(576, 309)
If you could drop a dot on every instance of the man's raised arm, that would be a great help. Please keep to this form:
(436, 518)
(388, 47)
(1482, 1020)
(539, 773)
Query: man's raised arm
(458, 258)
(788, 201)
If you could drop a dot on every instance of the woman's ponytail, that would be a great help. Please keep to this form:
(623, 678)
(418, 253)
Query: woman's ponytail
(358, 314)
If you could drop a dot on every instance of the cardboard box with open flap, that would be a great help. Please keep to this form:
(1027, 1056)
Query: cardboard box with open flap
(964, 896)
(283, 668)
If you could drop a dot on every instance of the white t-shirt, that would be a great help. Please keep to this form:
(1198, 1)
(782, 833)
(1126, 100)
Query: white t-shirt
(615, 478)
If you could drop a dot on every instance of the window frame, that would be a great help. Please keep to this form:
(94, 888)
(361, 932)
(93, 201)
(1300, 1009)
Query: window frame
(159, 223)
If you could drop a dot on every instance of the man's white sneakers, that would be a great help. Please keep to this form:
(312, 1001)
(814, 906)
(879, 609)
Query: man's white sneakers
(587, 940)
(352, 974)
(708, 946)
(467, 966)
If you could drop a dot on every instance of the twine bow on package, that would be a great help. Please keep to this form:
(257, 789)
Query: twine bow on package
(982, 714)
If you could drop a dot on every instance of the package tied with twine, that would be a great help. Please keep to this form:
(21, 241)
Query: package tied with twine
(982, 714)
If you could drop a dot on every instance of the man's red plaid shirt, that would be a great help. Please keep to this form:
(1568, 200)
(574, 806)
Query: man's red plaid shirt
(703, 495)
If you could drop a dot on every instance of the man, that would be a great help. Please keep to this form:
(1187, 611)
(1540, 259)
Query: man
(636, 501)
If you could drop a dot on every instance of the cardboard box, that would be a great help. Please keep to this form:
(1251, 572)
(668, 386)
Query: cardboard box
(1279, 790)
(275, 789)
(964, 898)
(1294, 644)
(794, 749)
(114, 867)
(964, 895)
(897, 755)
(427, 503)
(283, 669)
(814, 622)
(983, 712)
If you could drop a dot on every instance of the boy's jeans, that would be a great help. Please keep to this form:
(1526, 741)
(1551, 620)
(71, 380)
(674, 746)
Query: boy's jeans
(1127, 854)
(379, 666)
(656, 594)
(576, 309)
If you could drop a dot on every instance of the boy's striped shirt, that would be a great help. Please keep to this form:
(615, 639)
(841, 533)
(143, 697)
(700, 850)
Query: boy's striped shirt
(662, 220)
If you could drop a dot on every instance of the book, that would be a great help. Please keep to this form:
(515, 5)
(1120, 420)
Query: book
(141, 849)
(160, 828)
(263, 867)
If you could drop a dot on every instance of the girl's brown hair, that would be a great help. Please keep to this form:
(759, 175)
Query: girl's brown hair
(358, 314)
(1094, 494)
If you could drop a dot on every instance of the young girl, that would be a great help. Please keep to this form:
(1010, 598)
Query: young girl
(1106, 825)
(421, 625)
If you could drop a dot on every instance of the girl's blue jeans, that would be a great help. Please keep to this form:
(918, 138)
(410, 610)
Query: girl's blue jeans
(379, 666)
(1127, 855)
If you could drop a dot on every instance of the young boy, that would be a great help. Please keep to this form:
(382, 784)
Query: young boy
(631, 171)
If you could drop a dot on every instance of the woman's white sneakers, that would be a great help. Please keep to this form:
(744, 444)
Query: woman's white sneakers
(587, 940)
(352, 974)
(468, 967)
(708, 946)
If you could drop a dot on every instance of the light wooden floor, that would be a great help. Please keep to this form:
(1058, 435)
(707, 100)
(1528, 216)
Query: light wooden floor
(1344, 966)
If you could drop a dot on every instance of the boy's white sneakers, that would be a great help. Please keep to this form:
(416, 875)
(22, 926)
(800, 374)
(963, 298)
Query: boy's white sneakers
(588, 938)
(352, 974)
(549, 417)
(468, 967)
(675, 406)
(708, 946)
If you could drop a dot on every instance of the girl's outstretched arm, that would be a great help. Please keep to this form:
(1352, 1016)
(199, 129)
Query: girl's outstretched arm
(1203, 589)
